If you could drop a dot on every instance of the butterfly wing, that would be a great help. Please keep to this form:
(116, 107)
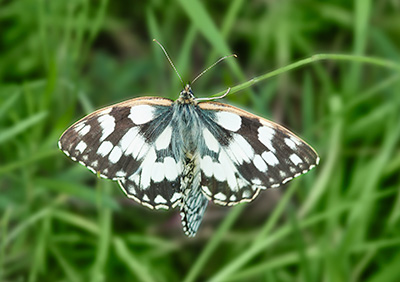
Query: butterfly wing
(244, 154)
(130, 142)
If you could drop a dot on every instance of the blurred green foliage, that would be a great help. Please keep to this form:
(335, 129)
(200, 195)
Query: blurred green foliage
(59, 60)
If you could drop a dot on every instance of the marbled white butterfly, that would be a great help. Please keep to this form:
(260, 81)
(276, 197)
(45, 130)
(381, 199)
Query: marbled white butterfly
(166, 154)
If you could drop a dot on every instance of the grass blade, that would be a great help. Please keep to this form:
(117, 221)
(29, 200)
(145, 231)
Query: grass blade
(11, 132)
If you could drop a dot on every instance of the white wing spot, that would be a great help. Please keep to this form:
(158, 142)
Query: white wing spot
(107, 123)
(290, 143)
(206, 165)
(120, 173)
(105, 148)
(295, 159)
(295, 140)
(260, 164)
(242, 183)
(141, 114)
(115, 154)
(220, 196)
(137, 146)
(145, 198)
(79, 126)
(158, 172)
(230, 169)
(176, 196)
(128, 139)
(266, 135)
(228, 120)
(246, 194)
(236, 153)
(143, 151)
(147, 166)
(256, 181)
(160, 200)
(219, 172)
(270, 158)
(170, 169)
(210, 141)
(245, 146)
(84, 130)
(164, 139)
(81, 147)
(206, 190)
(135, 178)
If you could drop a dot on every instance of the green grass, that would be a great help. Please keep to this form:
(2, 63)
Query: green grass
(329, 71)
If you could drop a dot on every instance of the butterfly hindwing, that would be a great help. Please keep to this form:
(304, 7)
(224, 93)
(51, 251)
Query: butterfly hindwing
(130, 142)
(244, 153)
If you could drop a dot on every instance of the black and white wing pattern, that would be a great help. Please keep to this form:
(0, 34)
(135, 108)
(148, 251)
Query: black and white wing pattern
(131, 142)
(182, 153)
(243, 154)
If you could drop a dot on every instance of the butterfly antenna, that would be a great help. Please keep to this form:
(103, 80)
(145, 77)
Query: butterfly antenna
(170, 61)
(213, 65)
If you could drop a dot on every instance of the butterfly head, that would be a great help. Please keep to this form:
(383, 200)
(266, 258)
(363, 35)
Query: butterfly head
(186, 96)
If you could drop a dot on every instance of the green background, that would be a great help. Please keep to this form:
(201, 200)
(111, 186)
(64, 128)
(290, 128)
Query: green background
(60, 60)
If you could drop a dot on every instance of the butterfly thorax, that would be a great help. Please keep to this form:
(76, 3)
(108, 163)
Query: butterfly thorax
(186, 96)
(186, 118)
(188, 127)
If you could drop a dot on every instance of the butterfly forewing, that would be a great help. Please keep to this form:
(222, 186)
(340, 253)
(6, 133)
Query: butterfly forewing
(245, 153)
(130, 142)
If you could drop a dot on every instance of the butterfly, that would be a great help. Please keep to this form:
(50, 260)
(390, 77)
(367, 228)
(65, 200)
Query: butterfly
(185, 153)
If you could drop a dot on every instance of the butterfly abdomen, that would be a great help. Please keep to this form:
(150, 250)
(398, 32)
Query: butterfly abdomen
(194, 203)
